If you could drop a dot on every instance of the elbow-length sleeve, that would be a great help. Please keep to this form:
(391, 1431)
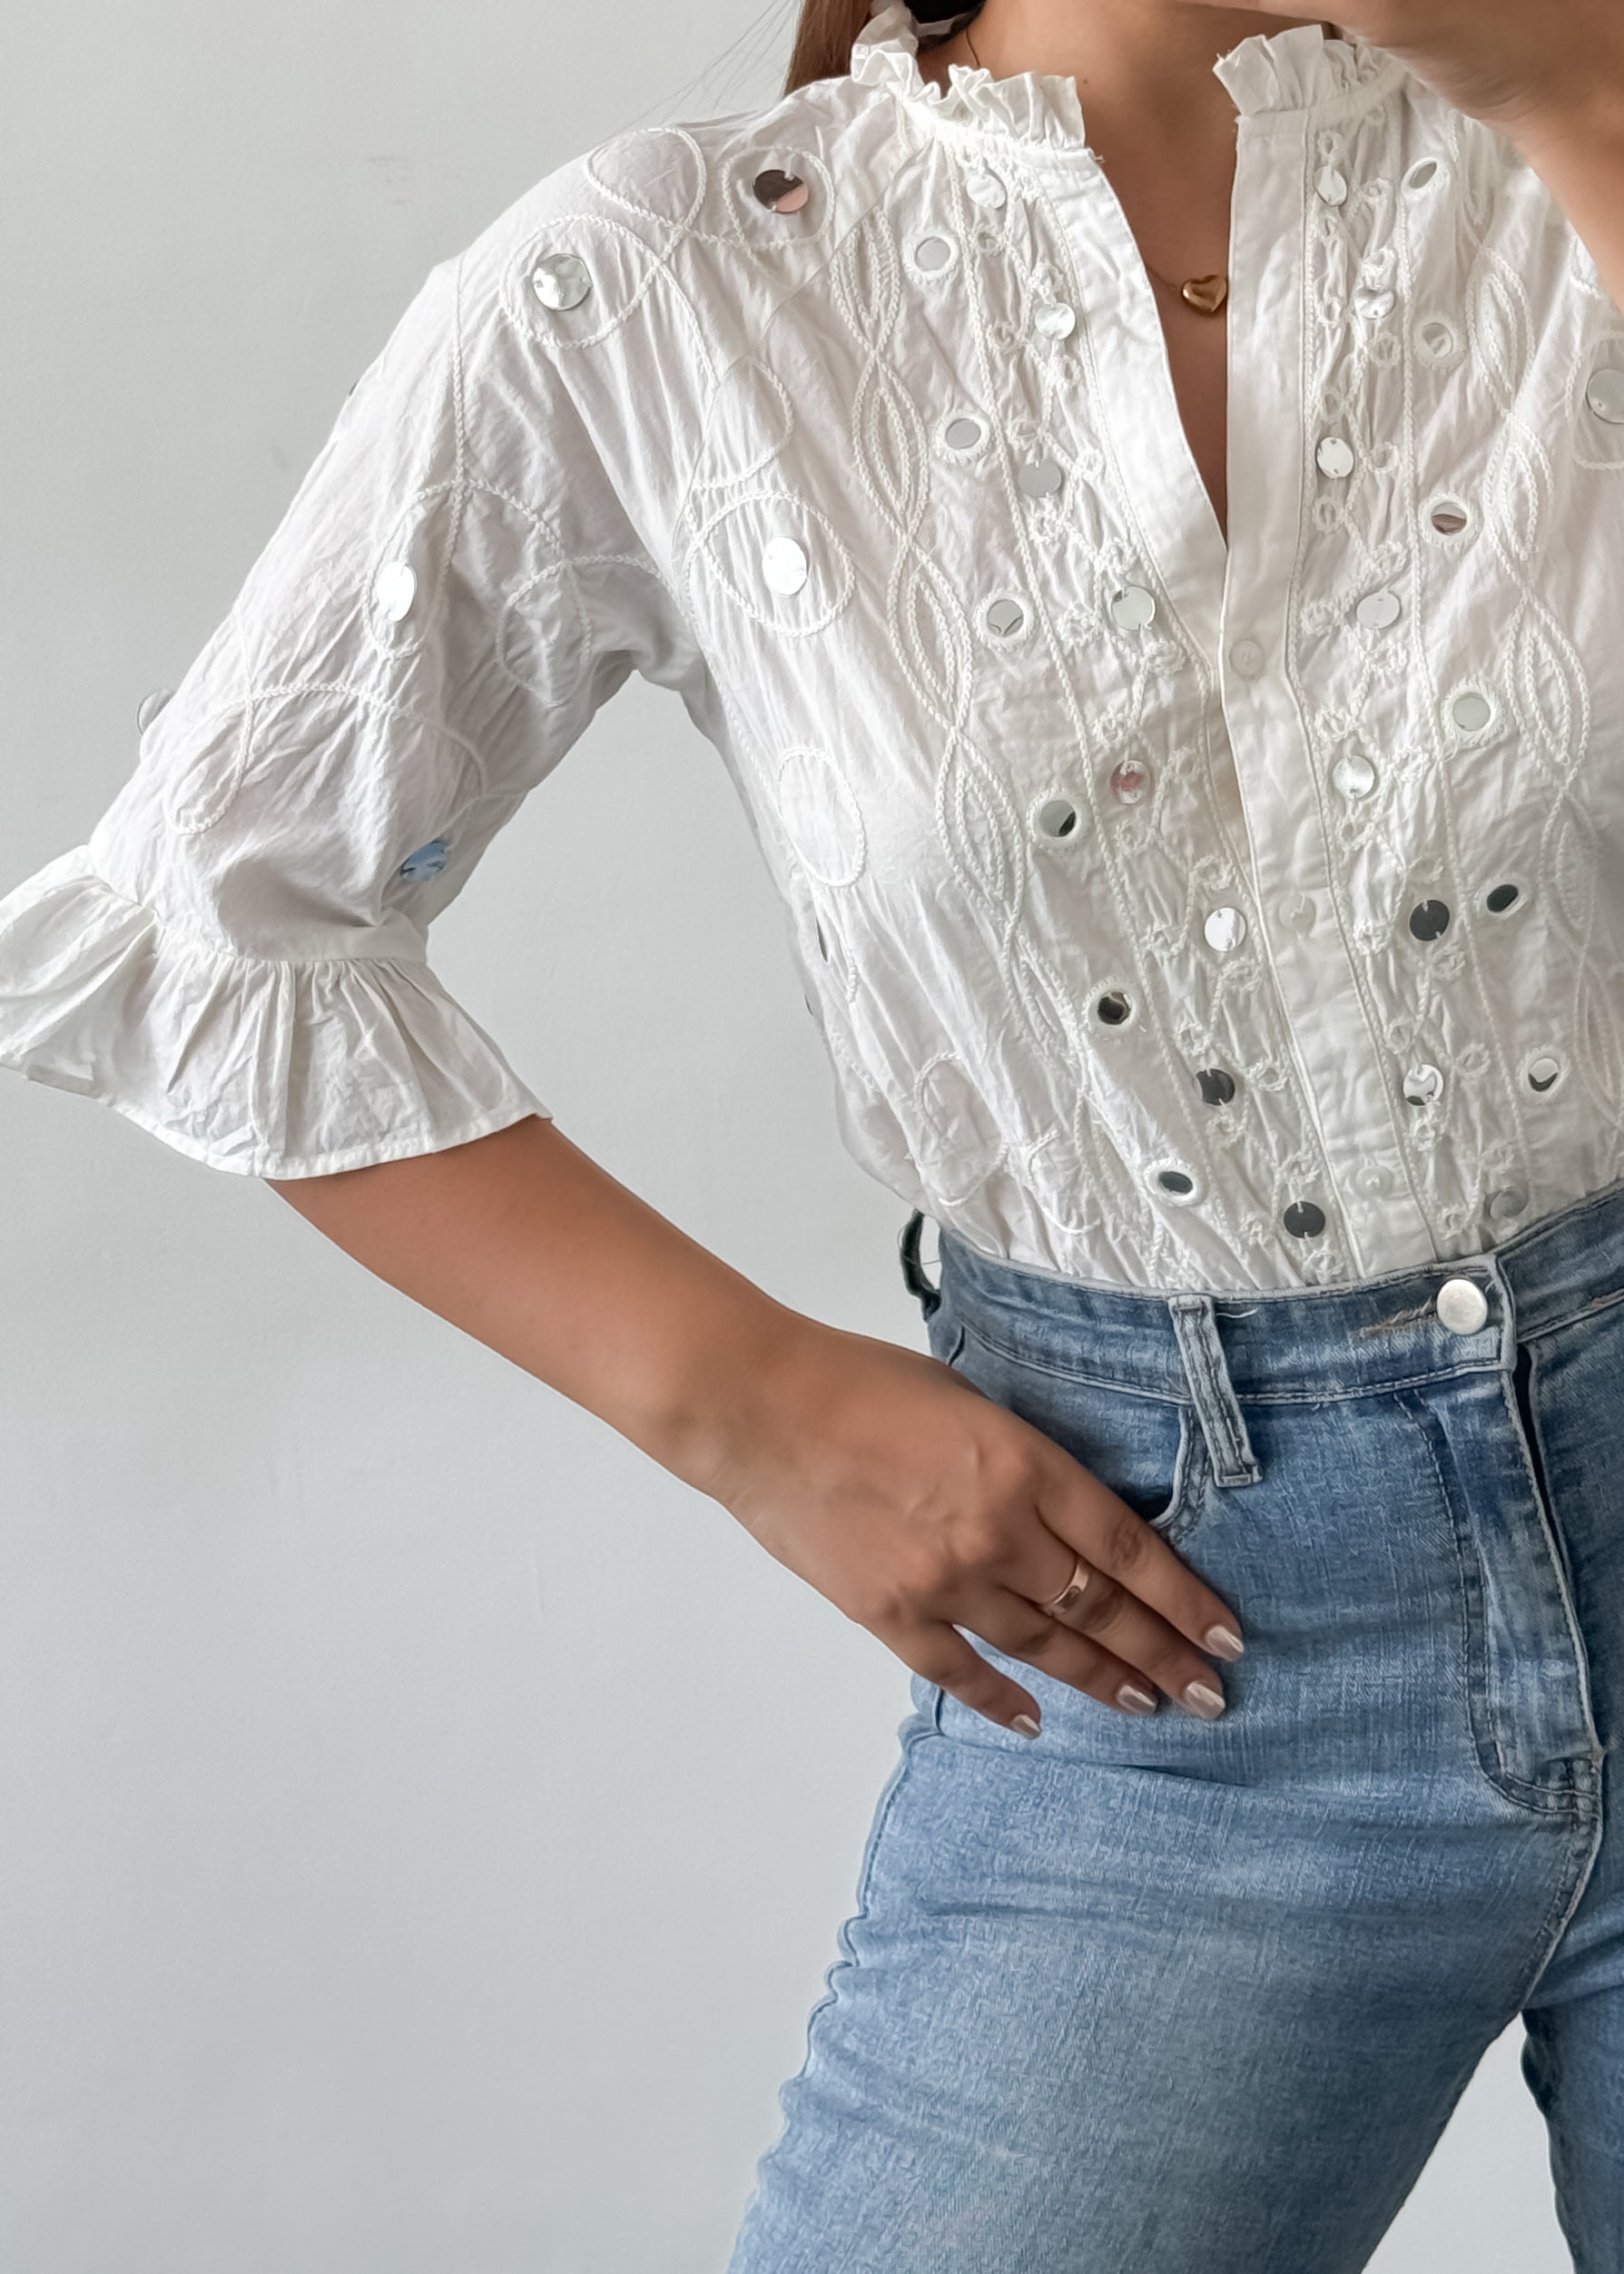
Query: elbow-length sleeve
(236, 957)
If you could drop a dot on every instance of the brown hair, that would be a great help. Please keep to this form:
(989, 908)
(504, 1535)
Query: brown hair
(823, 37)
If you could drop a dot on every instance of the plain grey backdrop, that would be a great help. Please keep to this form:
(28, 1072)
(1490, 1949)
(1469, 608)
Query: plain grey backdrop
(426, 1822)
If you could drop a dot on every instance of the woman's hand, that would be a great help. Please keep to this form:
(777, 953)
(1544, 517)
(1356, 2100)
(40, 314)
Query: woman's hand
(1506, 61)
(918, 1505)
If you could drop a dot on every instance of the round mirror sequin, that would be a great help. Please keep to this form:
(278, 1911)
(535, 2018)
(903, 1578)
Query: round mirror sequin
(1470, 712)
(1499, 897)
(427, 861)
(1422, 1084)
(1224, 929)
(1331, 185)
(1447, 515)
(1335, 457)
(1056, 817)
(1039, 476)
(1419, 176)
(1430, 920)
(1129, 782)
(1004, 616)
(785, 565)
(1303, 1220)
(984, 188)
(561, 280)
(1604, 392)
(963, 433)
(1055, 320)
(932, 254)
(1216, 1086)
(780, 193)
(1175, 1181)
(1112, 1009)
(1544, 1072)
(394, 588)
(1354, 774)
(1132, 607)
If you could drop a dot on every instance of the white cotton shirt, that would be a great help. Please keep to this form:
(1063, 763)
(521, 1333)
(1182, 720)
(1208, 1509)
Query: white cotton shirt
(1174, 913)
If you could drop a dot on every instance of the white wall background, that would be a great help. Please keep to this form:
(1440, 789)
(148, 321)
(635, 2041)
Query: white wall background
(426, 1822)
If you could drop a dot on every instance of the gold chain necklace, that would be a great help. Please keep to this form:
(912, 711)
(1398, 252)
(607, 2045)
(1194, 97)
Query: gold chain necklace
(1205, 294)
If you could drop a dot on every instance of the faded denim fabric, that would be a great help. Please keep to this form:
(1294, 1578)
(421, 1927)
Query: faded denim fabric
(1166, 1996)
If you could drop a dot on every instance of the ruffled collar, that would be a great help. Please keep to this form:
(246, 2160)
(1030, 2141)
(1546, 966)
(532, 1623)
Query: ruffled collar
(1296, 69)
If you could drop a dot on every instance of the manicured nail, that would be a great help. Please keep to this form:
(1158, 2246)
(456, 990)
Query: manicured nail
(1225, 1641)
(1135, 1700)
(1203, 1699)
(1026, 1725)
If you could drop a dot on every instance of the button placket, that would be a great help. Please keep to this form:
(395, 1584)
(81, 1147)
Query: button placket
(1344, 1071)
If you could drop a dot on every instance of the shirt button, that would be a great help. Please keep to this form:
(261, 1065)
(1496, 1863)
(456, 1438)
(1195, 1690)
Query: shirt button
(1463, 1306)
(1295, 911)
(1246, 658)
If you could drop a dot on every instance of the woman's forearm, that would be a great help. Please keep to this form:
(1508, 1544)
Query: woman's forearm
(524, 1242)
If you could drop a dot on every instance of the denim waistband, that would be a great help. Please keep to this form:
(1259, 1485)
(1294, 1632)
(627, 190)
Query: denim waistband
(1298, 1343)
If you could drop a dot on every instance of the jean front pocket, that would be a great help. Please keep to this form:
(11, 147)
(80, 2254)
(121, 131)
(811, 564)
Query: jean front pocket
(1148, 1450)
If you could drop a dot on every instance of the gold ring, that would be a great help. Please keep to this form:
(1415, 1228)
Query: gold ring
(1072, 1592)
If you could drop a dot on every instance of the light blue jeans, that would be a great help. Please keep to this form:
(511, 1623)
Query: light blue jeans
(1171, 1996)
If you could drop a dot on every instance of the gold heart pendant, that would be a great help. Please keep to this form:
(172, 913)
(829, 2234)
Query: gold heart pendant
(1208, 293)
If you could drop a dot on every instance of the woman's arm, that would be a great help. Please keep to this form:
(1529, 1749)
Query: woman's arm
(880, 1477)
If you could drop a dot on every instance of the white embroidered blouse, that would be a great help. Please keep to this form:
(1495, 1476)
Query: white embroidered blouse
(1173, 913)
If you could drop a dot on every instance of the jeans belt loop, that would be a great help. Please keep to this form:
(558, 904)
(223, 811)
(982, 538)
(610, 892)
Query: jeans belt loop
(1216, 1406)
(914, 1278)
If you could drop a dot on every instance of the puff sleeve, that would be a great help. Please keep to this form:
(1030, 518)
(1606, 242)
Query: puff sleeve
(236, 957)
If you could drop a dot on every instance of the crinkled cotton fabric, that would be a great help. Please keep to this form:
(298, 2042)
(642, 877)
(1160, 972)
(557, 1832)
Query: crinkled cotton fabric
(1174, 911)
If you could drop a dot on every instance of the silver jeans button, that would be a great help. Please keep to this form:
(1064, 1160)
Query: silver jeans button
(1462, 1306)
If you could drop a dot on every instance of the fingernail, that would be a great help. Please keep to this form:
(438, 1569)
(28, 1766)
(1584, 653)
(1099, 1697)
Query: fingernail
(1203, 1699)
(1135, 1700)
(1225, 1641)
(1026, 1725)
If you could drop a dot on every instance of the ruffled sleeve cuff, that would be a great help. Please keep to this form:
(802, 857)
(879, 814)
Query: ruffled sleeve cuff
(267, 1067)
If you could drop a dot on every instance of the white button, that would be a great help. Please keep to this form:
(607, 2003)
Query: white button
(394, 588)
(1132, 606)
(1377, 610)
(1604, 394)
(1463, 1306)
(561, 280)
(1335, 457)
(1354, 774)
(1246, 658)
(1055, 320)
(1296, 912)
(1225, 928)
(1331, 185)
(985, 188)
(785, 565)
(1039, 476)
